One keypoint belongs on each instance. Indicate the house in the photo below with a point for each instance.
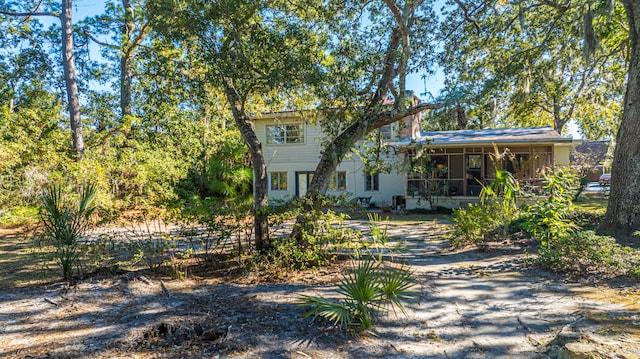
(457, 161)
(291, 145)
(590, 159)
(460, 162)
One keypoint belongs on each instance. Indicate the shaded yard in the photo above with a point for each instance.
(468, 304)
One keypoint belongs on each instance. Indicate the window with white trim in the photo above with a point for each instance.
(372, 182)
(278, 181)
(386, 133)
(338, 181)
(290, 133)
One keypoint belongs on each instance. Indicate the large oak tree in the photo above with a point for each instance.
(256, 53)
(623, 211)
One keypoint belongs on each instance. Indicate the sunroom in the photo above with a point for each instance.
(452, 166)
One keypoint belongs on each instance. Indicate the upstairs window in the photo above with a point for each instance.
(285, 134)
(338, 181)
(386, 133)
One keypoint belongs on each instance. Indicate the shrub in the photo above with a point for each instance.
(583, 253)
(18, 216)
(64, 225)
(368, 287)
(474, 223)
(548, 220)
(586, 220)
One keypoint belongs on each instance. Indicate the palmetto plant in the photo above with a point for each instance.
(369, 287)
(64, 225)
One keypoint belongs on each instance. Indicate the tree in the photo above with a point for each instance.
(623, 211)
(525, 63)
(367, 78)
(133, 28)
(68, 63)
(256, 53)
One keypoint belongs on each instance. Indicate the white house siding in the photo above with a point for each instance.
(304, 157)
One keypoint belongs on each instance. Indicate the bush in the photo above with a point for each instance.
(548, 220)
(583, 253)
(474, 223)
(18, 216)
(368, 287)
(586, 220)
(64, 225)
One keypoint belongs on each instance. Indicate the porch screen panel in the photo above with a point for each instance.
(456, 168)
(456, 174)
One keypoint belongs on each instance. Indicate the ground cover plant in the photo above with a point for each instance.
(64, 224)
(563, 235)
(368, 287)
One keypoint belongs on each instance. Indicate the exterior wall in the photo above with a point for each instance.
(561, 155)
(298, 160)
(303, 158)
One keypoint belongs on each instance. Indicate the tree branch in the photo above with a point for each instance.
(467, 16)
(399, 18)
(89, 36)
(28, 14)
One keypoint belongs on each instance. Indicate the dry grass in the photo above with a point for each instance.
(20, 263)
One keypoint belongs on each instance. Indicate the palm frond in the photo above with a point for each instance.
(359, 285)
(395, 285)
(334, 312)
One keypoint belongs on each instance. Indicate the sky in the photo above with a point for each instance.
(424, 88)
(432, 85)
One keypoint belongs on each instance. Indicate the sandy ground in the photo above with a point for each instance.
(468, 304)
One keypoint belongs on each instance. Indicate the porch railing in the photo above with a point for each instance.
(454, 187)
(434, 187)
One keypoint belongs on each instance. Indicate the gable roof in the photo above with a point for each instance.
(591, 153)
(487, 137)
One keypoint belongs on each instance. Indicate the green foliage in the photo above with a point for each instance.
(502, 192)
(287, 255)
(320, 222)
(497, 209)
(474, 223)
(586, 220)
(18, 216)
(548, 220)
(587, 253)
(367, 288)
(378, 230)
(63, 224)
(322, 232)
(515, 72)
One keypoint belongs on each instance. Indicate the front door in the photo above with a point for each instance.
(303, 179)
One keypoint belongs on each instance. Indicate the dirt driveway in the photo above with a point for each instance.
(469, 304)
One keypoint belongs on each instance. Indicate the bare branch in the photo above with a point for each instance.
(89, 36)
(28, 14)
(467, 16)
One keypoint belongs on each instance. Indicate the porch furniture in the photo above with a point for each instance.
(364, 201)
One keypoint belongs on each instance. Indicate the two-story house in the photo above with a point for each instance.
(459, 161)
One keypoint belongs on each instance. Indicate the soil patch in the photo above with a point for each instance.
(468, 304)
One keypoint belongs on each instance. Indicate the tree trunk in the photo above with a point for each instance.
(339, 147)
(461, 117)
(126, 53)
(69, 67)
(261, 180)
(623, 212)
(373, 118)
